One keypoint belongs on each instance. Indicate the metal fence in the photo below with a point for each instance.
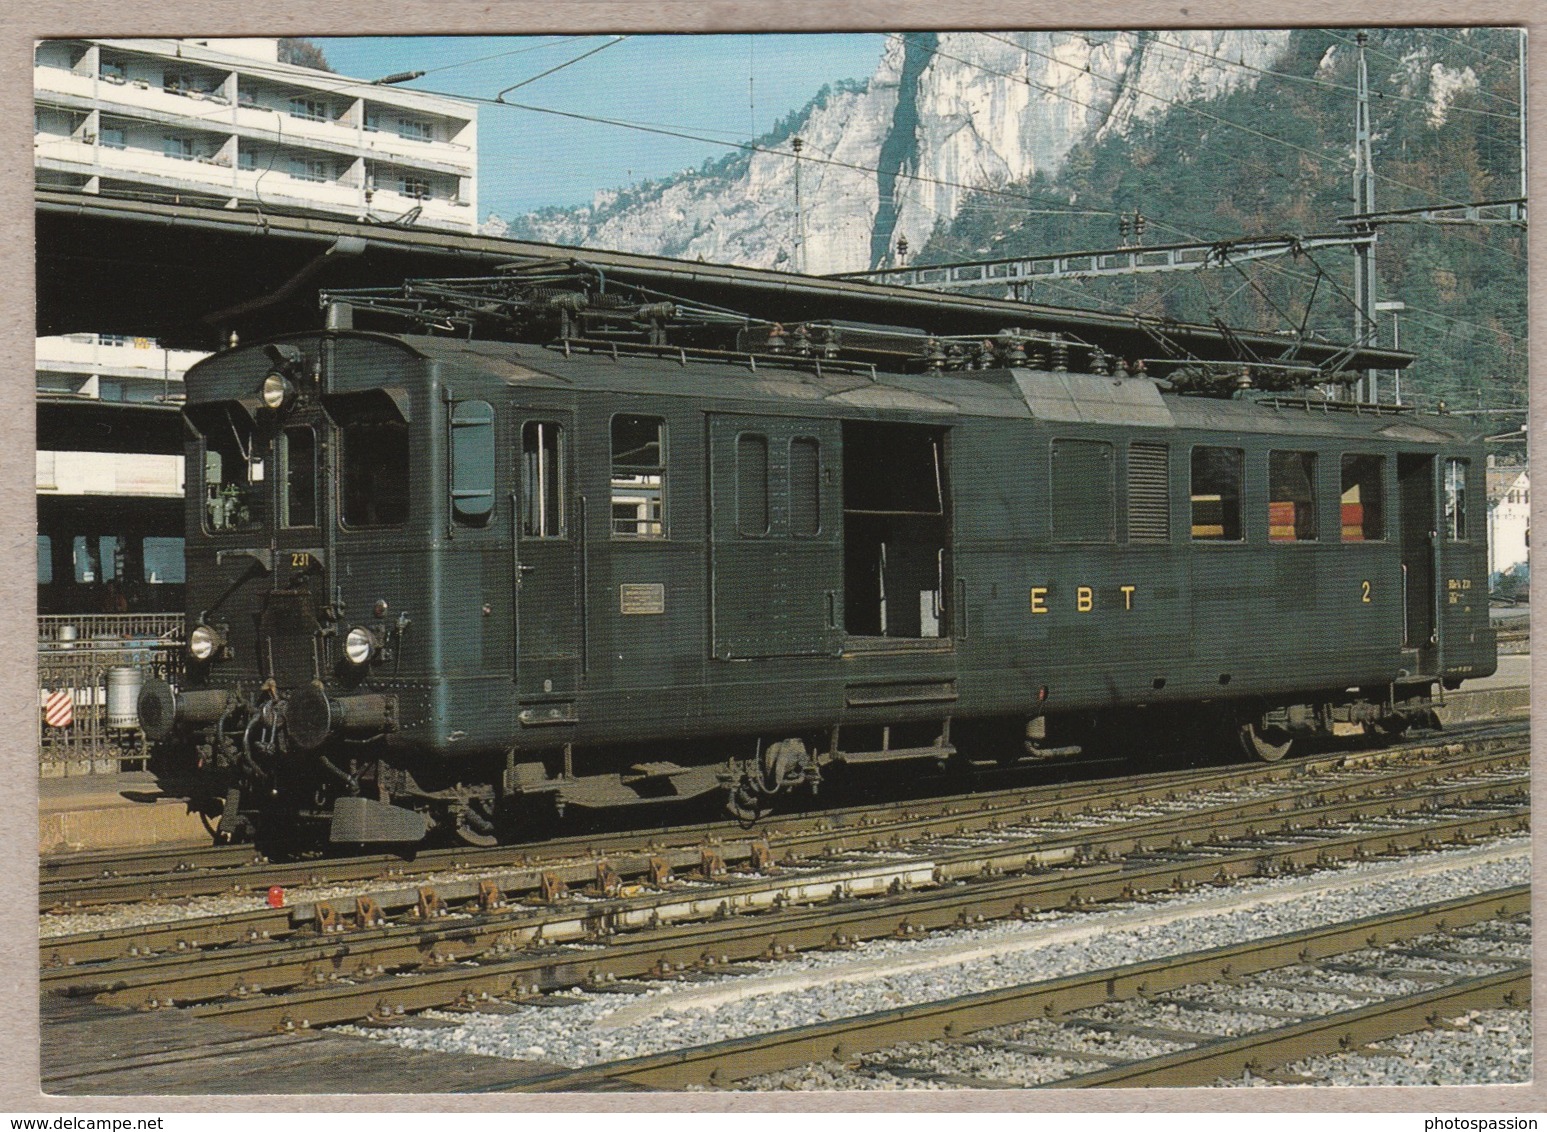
(68, 628)
(87, 682)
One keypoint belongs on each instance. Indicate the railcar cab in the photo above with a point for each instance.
(323, 500)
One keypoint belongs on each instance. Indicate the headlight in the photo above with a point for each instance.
(360, 645)
(203, 642)
(276, 391)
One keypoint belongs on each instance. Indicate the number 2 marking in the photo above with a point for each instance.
(1366, 597)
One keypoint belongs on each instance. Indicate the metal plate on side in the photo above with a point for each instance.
(641, 597)
(1093, 399)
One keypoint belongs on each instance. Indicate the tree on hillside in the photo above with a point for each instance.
(1274, 156)
(303, 53)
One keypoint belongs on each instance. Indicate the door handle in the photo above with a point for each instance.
(523, 567)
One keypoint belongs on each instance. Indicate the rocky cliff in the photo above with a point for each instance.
(944, 114)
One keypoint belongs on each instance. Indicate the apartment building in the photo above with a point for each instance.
(223, 122)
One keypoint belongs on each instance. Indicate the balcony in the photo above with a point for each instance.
(57, 81)
(446, 157)
(139, 357)
(273, 123)
(62, 154)
(442, 214)
(134, 98)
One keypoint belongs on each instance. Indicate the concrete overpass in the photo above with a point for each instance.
(83, 425)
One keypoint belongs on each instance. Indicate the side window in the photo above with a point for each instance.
(45, 560)
(1455, 500)
(298, 473)
(1363, 495)
(163, 560)
(542, 480)
(97, 558)
(1291, 496)
(1084, 491)
(638, 476)
(805, 487)
(1217, 478)
(752, 484)
(1149, 493)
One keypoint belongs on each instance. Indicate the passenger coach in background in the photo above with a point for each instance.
(583, 547)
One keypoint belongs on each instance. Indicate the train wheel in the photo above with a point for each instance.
(1267, 744)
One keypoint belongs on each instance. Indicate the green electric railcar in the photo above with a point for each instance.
(441, 582)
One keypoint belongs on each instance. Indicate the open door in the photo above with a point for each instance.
(1416, 491)
(897, 549)
(776, 537)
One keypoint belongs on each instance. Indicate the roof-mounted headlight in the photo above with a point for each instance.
(204, 642)
(360, 645)
(276, 392)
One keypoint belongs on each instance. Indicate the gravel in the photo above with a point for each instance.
(1306, 1003)
(1493, 1048)
(886, 973)
(1222, 1022)
(1069, 1034)
(986, 1064)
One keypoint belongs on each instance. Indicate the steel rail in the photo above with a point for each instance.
(972, 810)
(191, 976)
(722, 1063)
(105, 885)
(1349, 1029)
(736, 938)
(1316, 805)
(98, 865)
(64, 869)
(1312, 804)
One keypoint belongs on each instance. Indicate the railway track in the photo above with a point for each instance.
(75, 881)
(300, 972)
(1204, 1058)
(1060, 842)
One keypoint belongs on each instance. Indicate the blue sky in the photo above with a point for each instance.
(696, 84)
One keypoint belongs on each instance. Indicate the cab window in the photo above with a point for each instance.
(233, 473)
(373, 468)
(298, 473)
(542, 480)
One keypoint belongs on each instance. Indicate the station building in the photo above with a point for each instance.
(1509, 526)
